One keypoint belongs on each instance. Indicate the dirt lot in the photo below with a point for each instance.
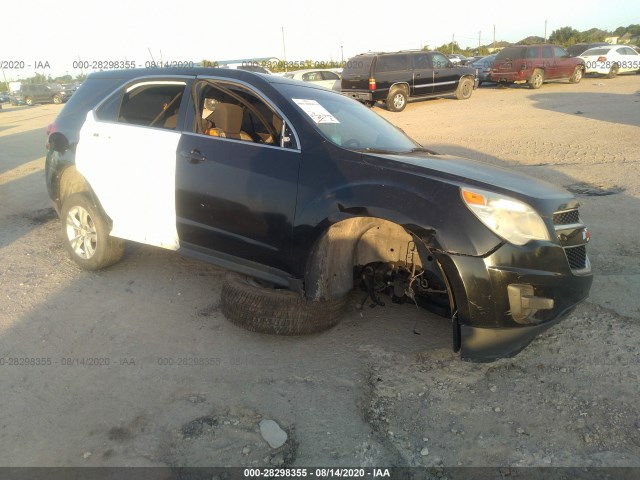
(168, 381)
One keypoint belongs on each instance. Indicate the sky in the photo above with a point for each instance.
(56, 34)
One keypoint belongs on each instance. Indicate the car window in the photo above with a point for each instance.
(392, 63)
(312, 76)
(547, 52)
(330, 76)
(421, 61)
(151, 104)
(596, 51)
(559, 52)
(228, 110)
(345, 122)
(533, 52)
(360, 65)
(440, 61)
(627, 51)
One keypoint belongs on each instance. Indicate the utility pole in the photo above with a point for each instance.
(284, 50)
(494, 38)
(341, 54)
(453, 39)
(545, 31)
(479, 35)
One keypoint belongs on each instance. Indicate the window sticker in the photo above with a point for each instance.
(316, 112)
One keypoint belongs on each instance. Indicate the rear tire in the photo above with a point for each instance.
(86, 234)
(262, 309)
(577, 76)
(28, 101)
(537, 79)
(465, 89)
(57, 100)
(613, 71)
(397, 99)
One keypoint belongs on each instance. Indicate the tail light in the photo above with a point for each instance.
(372, 84)
(602, 59)
(51, 128)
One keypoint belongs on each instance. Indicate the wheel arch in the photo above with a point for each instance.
(355, 241)
(71, 181)
(403, 85)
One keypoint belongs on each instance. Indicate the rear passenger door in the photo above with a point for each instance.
(392, 69)
(445, 74)
(422, 69)
(127, 153)
(565, 66)
(550, 63)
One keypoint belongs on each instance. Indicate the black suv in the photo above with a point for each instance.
(394, 77)
(33, 93)
(298, 187)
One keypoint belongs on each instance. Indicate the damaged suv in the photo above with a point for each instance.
(306, 194)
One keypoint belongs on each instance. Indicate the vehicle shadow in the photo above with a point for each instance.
(591, 105)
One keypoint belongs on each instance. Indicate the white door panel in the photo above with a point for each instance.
(132, 171)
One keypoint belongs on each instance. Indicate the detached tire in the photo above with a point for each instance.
(85, 233)
(281, 312)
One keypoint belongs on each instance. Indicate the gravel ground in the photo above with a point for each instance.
(167, 380)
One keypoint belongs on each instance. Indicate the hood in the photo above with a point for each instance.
(543, 196)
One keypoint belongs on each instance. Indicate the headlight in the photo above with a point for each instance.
(511, 219)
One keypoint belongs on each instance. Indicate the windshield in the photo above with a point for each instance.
(347, 123)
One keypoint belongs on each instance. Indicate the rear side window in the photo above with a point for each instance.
(392, 63)
(533, 52)
(511, 53)
(421, 61)
(547, 52)
(151, 104)
(559, 52)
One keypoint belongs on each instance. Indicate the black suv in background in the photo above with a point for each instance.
(395, 77)
(43, 93)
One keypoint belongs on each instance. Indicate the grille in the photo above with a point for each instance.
(577, 257)
(566, 218)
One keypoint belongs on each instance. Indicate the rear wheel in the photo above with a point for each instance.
(57, 99)
(465, 89)
(577, 76)
(28, 101)
(537, 79)
(397, 99)
(86, 234)
(613, 71)
(264, 309)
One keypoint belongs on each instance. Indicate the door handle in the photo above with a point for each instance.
(194, 156)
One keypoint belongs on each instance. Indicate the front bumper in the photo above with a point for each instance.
(506, 299)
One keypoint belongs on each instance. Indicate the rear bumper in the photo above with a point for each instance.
(519, 76)
(358, 95)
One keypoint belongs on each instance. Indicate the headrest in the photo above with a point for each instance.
(228, 117)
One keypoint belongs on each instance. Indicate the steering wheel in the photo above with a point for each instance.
(352, 143)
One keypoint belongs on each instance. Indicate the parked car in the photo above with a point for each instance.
(483, 67)
(43, 93)
(579, 48)
(321, 77)
(300, 187)
(611, 60)
(4, 97)
(394, 78)
(16, 98)
(535, 64)
(457, 58)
